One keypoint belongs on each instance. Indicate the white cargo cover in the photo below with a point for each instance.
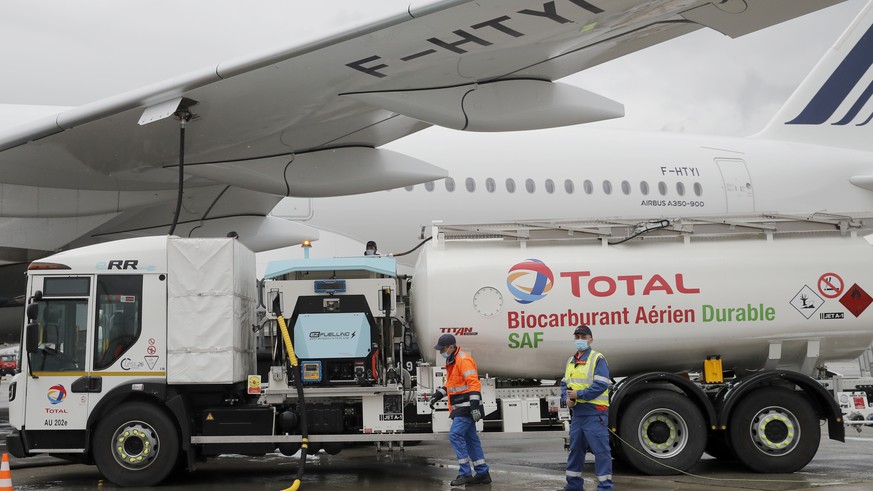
(210, 311)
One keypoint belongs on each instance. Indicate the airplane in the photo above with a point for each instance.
(813, 159)
(306, 120)
(213, 151)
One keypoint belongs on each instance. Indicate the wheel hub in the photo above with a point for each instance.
(663, 433)
(659, 432)
(775, 430)
(135, 445)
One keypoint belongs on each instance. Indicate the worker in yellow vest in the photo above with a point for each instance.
(585, 389)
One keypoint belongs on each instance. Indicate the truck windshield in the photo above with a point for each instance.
(119, 317)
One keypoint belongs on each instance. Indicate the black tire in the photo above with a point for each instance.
(661, 428)
(774, 430)
(136, 444)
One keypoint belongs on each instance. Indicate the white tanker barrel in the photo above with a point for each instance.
(653, 305)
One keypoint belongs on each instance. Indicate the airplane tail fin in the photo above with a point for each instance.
(833, 105)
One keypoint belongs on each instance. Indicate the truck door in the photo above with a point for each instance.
(61, 359)
(127, 336)
(739, 196)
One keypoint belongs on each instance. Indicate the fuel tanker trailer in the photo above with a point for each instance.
(715, 328)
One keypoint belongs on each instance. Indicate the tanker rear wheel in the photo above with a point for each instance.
(774, 430)
(663, 432)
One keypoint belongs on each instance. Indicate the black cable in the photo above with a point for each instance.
(410, 251)
(181, 175)
(304, 429)
(664, 223)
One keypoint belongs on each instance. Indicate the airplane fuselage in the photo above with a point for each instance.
(602, 173)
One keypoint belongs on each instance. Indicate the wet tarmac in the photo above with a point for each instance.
(516, 464)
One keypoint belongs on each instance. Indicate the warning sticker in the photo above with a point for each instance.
(856, 300)
(806, 301)
(830, 285)
(151, 360)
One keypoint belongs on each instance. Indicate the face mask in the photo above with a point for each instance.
(370, 252)
(581, 344)
(445, 355)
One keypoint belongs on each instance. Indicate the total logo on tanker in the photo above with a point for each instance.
(634, 299)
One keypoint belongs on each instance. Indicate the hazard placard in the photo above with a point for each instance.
(806, 301)
(856, 300)
(830, 285)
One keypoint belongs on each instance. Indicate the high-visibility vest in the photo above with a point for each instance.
(581, 376)
(462, 381)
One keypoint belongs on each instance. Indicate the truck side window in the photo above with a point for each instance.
(119, 317)
(62, 335)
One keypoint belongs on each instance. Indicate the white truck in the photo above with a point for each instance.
(147, 354)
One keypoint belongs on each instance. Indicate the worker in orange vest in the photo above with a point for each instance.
(465, 406)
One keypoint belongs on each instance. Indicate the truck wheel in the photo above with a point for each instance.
(774, 430)
(661, 428)
(136, 444)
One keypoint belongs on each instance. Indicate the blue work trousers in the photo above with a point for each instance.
(589, 430)
(466, 444)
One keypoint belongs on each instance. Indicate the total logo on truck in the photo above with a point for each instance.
(519, 278)
(532, 280)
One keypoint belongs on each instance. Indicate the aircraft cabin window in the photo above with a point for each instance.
(662, 188)
(550, 186)
(698, 189)
(530, 185)
(510, 185)
(569, 186)
(490, 185)
(607, 187)
(450, 184)
(429, 186)
(680, 188)
(644, 188)
(470, 183)
(625, 187)
(588, 186)
(409, 188)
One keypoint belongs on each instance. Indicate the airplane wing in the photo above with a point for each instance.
(307, 120)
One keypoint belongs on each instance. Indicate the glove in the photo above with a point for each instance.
(434, 398)
(476, 412)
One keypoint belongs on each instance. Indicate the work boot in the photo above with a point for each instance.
(481, 479)
(462, 481)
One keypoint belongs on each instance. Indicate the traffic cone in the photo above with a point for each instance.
(5, 474)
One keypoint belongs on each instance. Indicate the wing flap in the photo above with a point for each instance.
(736, 18)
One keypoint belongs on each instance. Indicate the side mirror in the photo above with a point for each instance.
(32, 337)
(32, 311)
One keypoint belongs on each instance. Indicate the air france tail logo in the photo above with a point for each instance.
(529, 281)
(835, 91)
